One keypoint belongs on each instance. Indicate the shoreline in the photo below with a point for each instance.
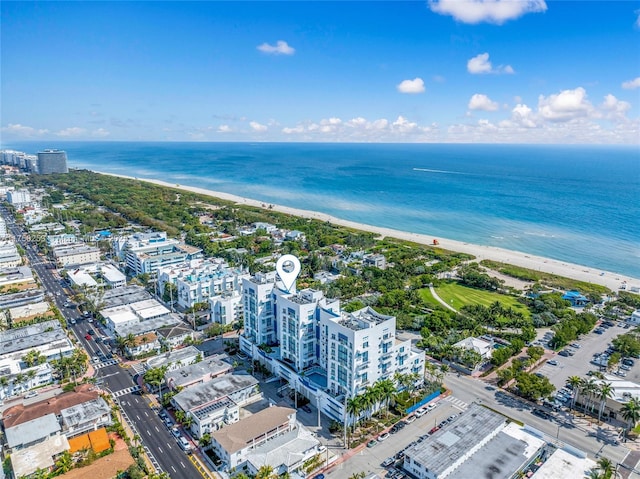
(578, 272)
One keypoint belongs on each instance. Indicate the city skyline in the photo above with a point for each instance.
(420, 71)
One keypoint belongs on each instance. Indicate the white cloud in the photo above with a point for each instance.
(23, 131)
(255, 126)
(632, 84)
(74, 131)
(615, 109)
(491, 11)
(280, 48)
(411, 86)
(482, 102)
(565, 106)
(100, 133)
(523, 115)
(480, 64)
(224, 129)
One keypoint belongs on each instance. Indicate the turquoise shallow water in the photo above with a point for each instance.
(574, 203)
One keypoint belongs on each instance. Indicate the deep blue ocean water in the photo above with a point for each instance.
(573, 203)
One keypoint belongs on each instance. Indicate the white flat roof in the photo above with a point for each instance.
(123, 317)
(112, 274)
(82, 278)
(563, 464)
(152, 312)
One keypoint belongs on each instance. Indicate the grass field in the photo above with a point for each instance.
(428, 298)
(458, 296)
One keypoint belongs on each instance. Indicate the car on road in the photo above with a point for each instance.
(306, 408)
(383, 436)
(552, 362)
(87, 337)
(541, 413)
(318, 476)
(388, 461)
(31, 394)
(91, 331)
(184, 444)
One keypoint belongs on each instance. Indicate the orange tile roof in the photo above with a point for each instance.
(79, 443)
(99, 440)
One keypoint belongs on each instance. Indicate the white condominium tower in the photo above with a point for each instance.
(323, 353)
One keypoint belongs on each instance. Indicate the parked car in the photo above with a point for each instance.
(628, 362)
(184, 444)
(411, 418)
(306, 408)
(452, 417)
(564, 353)
(31, 394)
(433, 430)
(175, 431)
(388, 461)
(552, 362)
(383, 436)
(421, 412)
(372, 443)
(575, 345)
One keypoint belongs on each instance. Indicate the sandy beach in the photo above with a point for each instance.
(609, 279)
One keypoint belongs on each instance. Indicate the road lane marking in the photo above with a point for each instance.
(182, 464)
(174, 469)
(157, 428)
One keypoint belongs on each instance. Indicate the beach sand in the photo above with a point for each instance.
(588, 274)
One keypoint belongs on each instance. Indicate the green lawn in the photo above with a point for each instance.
(428, 298)
(458, 296)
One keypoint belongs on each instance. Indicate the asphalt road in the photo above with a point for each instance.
(157, 440)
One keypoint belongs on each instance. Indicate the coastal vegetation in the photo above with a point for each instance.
(482, 304)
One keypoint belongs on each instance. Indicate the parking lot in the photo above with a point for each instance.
(580, 363)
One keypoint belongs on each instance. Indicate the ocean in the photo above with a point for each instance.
(579, 204)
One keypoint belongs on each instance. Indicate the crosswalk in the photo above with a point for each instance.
(457, 403)
(104, 364)
(122, 392)
(138, 368)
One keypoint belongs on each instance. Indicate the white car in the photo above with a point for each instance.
(411, 418)
(31, 394)
(420, 412)
(383, 436)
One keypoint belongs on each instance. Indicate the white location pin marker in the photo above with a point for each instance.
(288, 268)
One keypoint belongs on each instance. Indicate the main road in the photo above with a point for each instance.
(159, 444)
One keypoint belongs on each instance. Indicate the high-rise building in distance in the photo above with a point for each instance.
(52, 161)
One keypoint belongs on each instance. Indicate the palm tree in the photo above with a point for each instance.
(354, 408)
(64, 463)
(574, 382)
(606, 467)
(605, 391)
(265, 472)
(631, 412)
(386, 388)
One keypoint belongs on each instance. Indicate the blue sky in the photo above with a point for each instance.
(422, 71)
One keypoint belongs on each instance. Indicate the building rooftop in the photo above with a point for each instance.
(142, 327)
(241, 434)
(563, 464)
(32, 431)
(31, 336)
(84, 412)
(285, 450)
(174, 331)
(20, 413)
(205, 411)
(502, 456)
(212, 366)
(363, 319)
(220, 387)
(124, 295)
(448, 445)
(39, 456)
(183, 355)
